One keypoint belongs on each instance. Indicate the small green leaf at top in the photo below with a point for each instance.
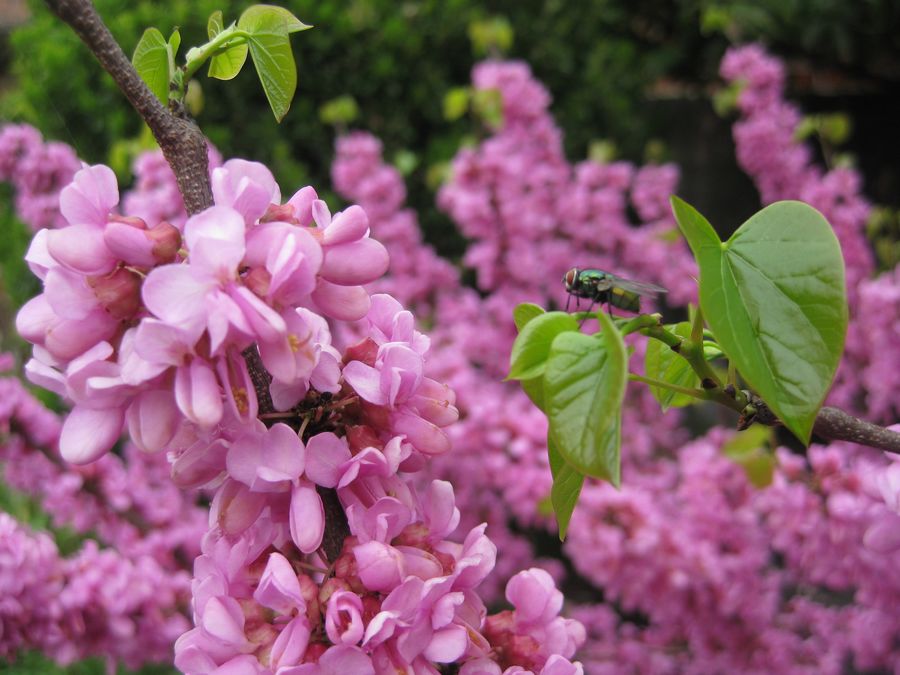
(525, 312)
(584, 385)
(532, 346)
(151, 61)
(567, 484)
(774, 296)
(228, 63)
(174, 43)
(661, 363)
(268, 28)
(268, 15)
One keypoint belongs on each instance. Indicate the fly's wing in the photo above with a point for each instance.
(639, 287)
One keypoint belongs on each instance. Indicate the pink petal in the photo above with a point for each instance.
(175, 294)
(89, 434)
(38, 256)
(534, 595)
(307, 519)
(152, 419)
(247, 187)
(290, 645)
(356, 262)
(883, 536)
(439, 509)
(159, 342)
(278, 588)
(81, 248)
(344, 659)
(426, 437)
(325, 453)
(235, 508)
(90, 197)
(223, 619)
(302, 202)
(366, 381)
(349, 225)
(346, 303)
(447, 645)
(129, 244)
(215, 240)
(198, 394)
(380, 567)
(35, 319)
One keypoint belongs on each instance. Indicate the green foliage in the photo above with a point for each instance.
(661, 363)
(268, 28)
(749, 449)
(774, 297)
(151, 61)
(567, 484)
(228, 63)
(33, 663)
(584, 385)
(339, 111)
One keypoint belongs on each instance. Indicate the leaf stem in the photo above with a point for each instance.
(197, 56)
(689, 391)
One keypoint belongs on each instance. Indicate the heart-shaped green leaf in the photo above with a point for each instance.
(661, 363)
(567, 483)
(151, 61)
(268, 28)
(532, 346)
(774, 296)
(584, 384)
(227, 64)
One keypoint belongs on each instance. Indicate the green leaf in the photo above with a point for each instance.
(174, 43)
(215, 24)
(774, 296)
(269, 15)
(456, 103)
(567, 483)
(661, 363)
(268, 28)
(340, 110)
(151, 61)
(532, 346)
(228, 63)
(748, 449)
(584, 384)
(525, 312)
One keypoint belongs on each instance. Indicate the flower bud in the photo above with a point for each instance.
(119, 293)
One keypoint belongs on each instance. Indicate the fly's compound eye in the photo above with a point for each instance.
(570, 277)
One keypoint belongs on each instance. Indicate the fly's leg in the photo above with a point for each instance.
(587, 314)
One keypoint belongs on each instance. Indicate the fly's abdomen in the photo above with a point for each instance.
(630, 302)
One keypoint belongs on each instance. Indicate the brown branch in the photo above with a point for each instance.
(836, 425)
(181, 141)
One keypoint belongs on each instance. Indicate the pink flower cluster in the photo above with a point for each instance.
(688, 555)
(164, 329)
(147, 319)
(125, 603)
(37, 171)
